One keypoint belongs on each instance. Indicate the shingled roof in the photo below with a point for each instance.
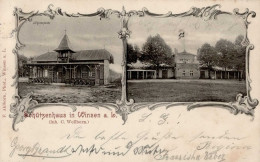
(64, 44)
(83, 55)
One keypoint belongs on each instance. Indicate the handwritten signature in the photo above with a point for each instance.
(159, 145)
(37, 150)
(77, 133)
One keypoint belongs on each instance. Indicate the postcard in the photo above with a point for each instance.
(129, 81)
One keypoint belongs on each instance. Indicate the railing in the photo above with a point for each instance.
(40, 80)
(73, 81)
(80, 81)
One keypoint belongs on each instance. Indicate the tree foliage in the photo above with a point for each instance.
(239, 58)
(225, 54)
(133, 53)
(22, 68)
(225, 49)
(155, 51)
(208, 57)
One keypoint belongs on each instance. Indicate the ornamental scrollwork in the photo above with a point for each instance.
(243, 104)
(26, 106)
(244, 16)
(124, 107)
(20, 107)
(206, 13)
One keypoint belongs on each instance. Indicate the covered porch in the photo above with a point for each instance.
(141, 74)
(68, 73)
(221, 74)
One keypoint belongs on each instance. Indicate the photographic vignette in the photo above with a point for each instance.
(124, 106)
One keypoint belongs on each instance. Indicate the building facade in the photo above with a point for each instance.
(184, 65)
(221, 73)
(64, 65)
(141, 74)
(187, 66)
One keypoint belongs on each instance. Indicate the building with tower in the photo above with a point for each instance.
(186, 65)
(64, 65)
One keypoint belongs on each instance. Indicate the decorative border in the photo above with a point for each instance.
(124, 107)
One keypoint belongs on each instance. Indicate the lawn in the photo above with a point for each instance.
(185, 90)
(139, 90)
(69, 94)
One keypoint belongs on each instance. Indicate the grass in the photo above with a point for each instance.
(69, 94)
(186, 91)
(140, 91)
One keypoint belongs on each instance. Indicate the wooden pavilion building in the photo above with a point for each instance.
(64, 65)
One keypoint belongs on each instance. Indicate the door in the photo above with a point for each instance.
(97, 75)
(202, 75)
(59, 77)
(164, 74)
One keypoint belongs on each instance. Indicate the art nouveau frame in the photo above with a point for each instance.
(125, 106)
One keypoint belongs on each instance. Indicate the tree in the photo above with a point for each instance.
(133, 53)
(208, 57)
(226, 50)
(239, 57)
(155, 51)
(22, 68)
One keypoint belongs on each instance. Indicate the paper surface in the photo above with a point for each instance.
(97, 128)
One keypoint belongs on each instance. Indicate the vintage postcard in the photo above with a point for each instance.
(130, 81)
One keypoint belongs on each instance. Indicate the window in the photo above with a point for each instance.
(184, 60)
(191, 73)
(183, 73)
(90, 74)
(45, 73)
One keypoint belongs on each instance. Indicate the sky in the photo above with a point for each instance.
(84, 34)
(197, 31)
(93, 33)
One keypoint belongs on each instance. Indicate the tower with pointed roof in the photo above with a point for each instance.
(64, 65)
(64, 50)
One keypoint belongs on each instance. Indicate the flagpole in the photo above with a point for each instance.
(182, 36)
(184, 47)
